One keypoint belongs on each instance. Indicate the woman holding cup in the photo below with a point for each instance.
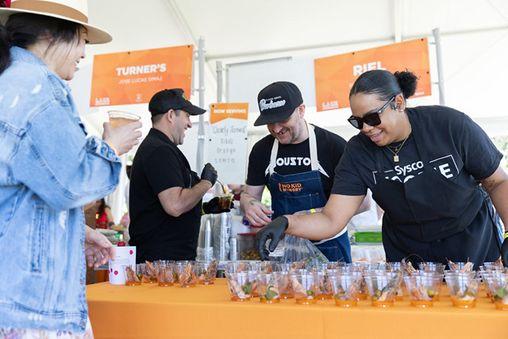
(50, 168)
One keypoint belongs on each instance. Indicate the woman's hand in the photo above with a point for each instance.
(98, 249)
(122, 138)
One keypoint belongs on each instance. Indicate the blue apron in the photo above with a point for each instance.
(304, 191)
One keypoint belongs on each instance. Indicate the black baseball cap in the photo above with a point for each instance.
(174, 99)
(277, 102)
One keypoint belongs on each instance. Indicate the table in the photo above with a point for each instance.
(150, 311)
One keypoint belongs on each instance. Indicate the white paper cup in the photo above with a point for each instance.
(124, 256)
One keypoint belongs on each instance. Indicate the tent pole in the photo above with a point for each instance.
(439, 57)
(201, 90)
(220, 81)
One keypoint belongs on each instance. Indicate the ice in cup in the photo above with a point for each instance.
(382, 287)
(121, 118)
(304, 286)
(423, 288)
(345, 287)
(240, 285)
(463, 288)
(165, 275)
(133, 276)
(206, 272)
(268, 288)
(186, 272)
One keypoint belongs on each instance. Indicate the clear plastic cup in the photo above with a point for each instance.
(268, 288)
(240, 285)
(497, 288)
(460, 266)
(304, 286)
(382, 287)
(121, 118)
(165, 276)
(423, 288)
(324, 285)
(284, 282)
(206, 272)
(186, 272)
(463, 287)
(434, 267)
(133, 276)
(149, 272)
(242, 266)
(345, 289)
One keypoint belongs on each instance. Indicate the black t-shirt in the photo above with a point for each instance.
(295, 158)
(453, 143)
(157, 166)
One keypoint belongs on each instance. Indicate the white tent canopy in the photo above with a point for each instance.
(240, 33)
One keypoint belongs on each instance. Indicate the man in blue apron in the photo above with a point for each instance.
(295, 162)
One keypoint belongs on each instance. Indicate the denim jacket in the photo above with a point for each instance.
(49, 169)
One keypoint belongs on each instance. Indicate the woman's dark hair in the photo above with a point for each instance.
(24, 29)
(385, 84)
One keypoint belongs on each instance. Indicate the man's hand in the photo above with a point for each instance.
(256, 213)
(274, 231)
(98, 249)
(209, 173)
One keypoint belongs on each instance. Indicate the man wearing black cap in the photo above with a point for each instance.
(165, 194)
(296, 162)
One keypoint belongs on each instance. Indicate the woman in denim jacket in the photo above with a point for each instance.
(49, 169)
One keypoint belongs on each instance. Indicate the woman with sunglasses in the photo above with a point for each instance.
(431, 168)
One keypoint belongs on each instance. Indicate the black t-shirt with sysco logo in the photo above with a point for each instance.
(295, 158)
(453, 142)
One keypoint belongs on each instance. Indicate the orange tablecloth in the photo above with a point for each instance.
(150, 311)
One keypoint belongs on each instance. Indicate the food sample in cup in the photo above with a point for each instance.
(324, 285)
(284, 282)
(463, 288)
(132, 277)
(345, 289)
(121, 118)
(206, 272)
(148, 272)
(423, 288)
(383, 287)
(240, 285)
(304, 287)
(165, 275)
(501, 298)
(186, 273)
(268, 289)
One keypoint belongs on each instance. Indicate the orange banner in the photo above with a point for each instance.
(222, 111)
(134, 77)
(335, 75)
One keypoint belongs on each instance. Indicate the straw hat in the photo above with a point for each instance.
(69, 10)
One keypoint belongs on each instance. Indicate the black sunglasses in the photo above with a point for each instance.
(371, 119)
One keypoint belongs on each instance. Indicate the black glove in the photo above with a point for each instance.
(216, 205)
(209, 173)
(504, 252)
(274, 231)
